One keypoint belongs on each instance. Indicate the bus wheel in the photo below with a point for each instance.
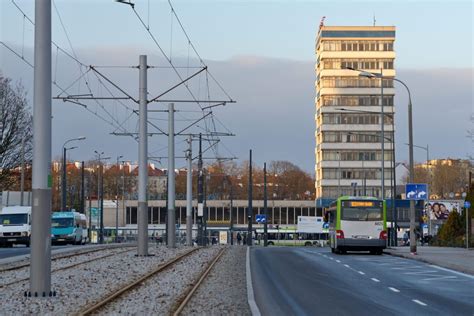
(270, 243)
(307, 244)
(332, 250)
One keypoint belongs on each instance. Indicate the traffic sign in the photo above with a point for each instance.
(416, 191)
(261, 218)
(467, 204)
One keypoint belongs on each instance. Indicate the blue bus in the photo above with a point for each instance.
(68, 227)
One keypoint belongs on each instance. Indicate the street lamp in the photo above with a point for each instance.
(393, 181)
(382, 116)
(427, 149)
(63, 187)
(116, 200)
(410, 145)
(100, 193)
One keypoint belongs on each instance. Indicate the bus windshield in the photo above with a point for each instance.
(62, 222)
(13, 219)
(361, 214)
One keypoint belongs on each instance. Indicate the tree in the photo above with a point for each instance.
(451, 233)
(16, 123)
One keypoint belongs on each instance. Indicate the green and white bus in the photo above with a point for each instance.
(358, 224)
(289, 236)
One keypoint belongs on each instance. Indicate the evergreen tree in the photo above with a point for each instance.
(452, 232)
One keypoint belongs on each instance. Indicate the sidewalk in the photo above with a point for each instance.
(458, 259)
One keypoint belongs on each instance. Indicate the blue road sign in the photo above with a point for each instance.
(325, 225)
(416, 191)
(467, 204)
(261, 218)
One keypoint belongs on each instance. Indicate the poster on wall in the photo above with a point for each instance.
(439, 210)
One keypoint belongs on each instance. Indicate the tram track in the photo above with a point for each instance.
(115, 295)
(69, 255)
(182, 303)
(68, 266)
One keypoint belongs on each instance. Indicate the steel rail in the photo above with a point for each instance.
(181, 305)
(94, 307)
(67, 267)
(64, 257)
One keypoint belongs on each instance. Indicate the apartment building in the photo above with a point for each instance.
(354, 71)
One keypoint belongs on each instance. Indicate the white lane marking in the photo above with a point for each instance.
(440, 278)
(338, 261)
(375, 280)
(419, 302)
(347, 266)
(394, 289)
(421, 272)
(452, 271)
(331, 258)
(360, 272)
(406, 268)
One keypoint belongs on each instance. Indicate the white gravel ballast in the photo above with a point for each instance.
(84, 284)
(224, 291)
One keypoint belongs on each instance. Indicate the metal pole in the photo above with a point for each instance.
(365, 176)
(231, 218)
(394, 193)
(382, 118)
(117, 199)
(89, 235)
(467, 227)
(171, 180)
(200, 195)
(412, 175)
(250, 208)
(123, 193)
(429, 178)
(189, 194)
(63, 182)
(101, 234)
(265, 208)
(82, 189)
(22, 176)
(338, 174)
(143, 161)
(40, 262)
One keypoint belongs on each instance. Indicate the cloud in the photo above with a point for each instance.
(274, 113)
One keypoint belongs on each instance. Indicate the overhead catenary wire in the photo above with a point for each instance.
(111, 116)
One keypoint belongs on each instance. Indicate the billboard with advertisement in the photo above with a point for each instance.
(440, 209)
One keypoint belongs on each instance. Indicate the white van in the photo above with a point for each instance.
(15, 225)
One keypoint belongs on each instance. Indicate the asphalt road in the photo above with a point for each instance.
(312, 281)
(22, 250)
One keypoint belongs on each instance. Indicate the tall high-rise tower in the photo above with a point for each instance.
(348, 111)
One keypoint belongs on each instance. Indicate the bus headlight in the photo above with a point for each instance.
(24, 234)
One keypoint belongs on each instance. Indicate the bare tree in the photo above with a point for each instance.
(16, 123)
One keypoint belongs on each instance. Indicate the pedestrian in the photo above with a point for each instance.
(405, 239)
(239, 238)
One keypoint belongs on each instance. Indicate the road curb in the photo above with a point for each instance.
(417, 258)
(250, 295)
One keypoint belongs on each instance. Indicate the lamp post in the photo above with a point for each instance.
(410, 150)
(100, 194)
(394, 223)
(393, 175)
(63, 187)
(427, 149)
(116, 198)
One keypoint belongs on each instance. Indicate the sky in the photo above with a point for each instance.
(262, 53)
